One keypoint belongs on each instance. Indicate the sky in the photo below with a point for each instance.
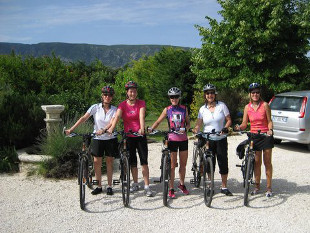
(106, 22)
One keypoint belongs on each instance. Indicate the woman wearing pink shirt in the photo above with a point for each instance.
(259, 114)
(132, 111)
(178, 120)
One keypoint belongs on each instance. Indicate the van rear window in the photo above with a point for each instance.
(286, 103)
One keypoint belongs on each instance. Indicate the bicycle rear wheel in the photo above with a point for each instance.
(166, 177)
(82, 181)
(248, 176)
(208, 181)
(197, 166)
(125, 177)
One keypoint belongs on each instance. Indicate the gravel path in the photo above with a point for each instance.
(34, 204)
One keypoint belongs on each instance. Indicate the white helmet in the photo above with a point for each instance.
(209, 87)
(174, 91)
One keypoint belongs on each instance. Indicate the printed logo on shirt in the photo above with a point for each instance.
(132, 112)
(177, 119)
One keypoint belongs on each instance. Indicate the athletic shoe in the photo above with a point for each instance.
(269, 193)
(183, 189)
(171, 193)
(255, 191)
(134, 188)
(96, 191)
(226, 192)
(110, 191)
(148, 192)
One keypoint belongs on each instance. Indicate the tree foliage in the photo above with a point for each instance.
(264, 41)
(156, 74)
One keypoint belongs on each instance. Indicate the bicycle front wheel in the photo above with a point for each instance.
(208, 181)
(166, 177)
(197, 167)
(82, 181)
(125, 177)
(248, 176)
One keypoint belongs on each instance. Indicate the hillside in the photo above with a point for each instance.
(113, 55)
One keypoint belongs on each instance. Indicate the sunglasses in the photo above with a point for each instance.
(108, 95)
(210, 92)
(255, 92)
(174, 97)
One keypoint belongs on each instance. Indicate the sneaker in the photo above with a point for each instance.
(183, 189)
(171, 193)
(226, 192)
(110, 191)
(134, 188)
(255, 191)
(148, 192)
(96, 191)
(269, 193)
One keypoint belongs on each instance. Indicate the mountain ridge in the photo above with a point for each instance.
(111, 55)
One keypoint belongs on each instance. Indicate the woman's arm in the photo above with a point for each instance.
(245, 119)
(198, 125)
(162, 116)
(79, 121)
(187, 121)
(115, 120)
(142, 120)
(270, 123)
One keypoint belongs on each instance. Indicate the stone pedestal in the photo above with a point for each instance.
(52, 116)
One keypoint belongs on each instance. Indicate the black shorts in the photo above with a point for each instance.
(263, 142)
(174, 146)
(107, 148)
(219, 149)
(140, 144)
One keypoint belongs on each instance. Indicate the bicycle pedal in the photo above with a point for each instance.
(95, 182)
(115, 182)
(192, 181)
(237, 165)
(156, 181)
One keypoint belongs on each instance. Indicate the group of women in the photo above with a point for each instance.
(213, 114)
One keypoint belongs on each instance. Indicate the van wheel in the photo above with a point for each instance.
(277, 141)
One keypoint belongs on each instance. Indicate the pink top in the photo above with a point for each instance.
(130, 115)
(258, 118)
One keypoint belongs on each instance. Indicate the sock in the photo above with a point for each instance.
(146, 186)
(223, 188)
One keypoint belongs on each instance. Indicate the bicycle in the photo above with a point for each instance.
(247, 165)
(124, 166)
(86, 168)
(165, 166)
(203, 163)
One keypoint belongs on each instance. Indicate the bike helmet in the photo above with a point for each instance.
(253, 86)
(107, 90)
(209, 87)
(131, 84)
(174, 91)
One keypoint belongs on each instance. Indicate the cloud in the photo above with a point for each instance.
(125, 12)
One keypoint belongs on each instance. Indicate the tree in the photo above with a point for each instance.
(156, 74)
(264, 41)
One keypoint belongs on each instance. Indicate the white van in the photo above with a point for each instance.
(290, 113)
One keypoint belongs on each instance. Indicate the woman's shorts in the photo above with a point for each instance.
(263, 142)
(106, 148)
(137, 144)
(174, 146)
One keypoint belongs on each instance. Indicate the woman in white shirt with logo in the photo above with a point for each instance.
(215, 115)
(104, 144)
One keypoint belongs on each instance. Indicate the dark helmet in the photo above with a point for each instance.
(174, 91)
(209, 87)
(107, 90)
(253, 86)
(131, 84)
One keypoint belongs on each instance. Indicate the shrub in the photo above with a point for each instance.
(64, 152)
(8, 159)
